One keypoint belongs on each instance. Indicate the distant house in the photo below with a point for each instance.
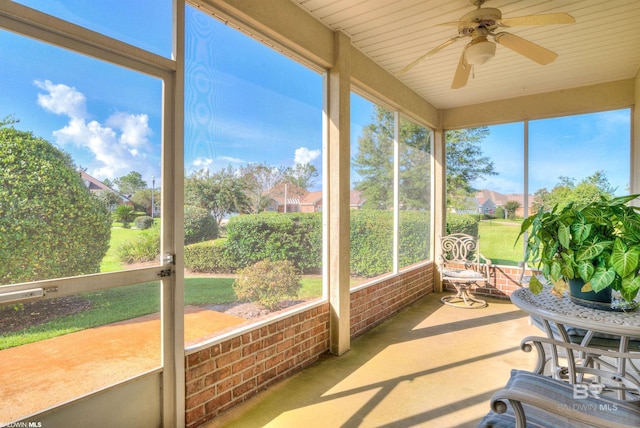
(311, 203)
(356, 200)
(281, 192)
(301, 200)
(96, 186)
(489, 200)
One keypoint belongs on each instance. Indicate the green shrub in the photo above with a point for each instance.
(268, 282)
(499, 213)
(144, 248)
(462, 223)
(371, 242)
(199, 225)
(209, 256)
(124, 214)
(143, 222)
(51, 225)
(414, 237)
(296, 237)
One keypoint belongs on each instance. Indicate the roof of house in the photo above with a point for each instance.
(312, 198)
(356, 199)
(293, 193)
(497, 198)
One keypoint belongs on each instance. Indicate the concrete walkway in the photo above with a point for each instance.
(430, 366)
(39, 375)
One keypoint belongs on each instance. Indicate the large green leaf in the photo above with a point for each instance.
(580, 231)
(630, 287)
(624, 260)
(564, 235)
(602, 278)
(567, 265)
(556, 270)
(585, 270)
(591, 250)
(535, 285)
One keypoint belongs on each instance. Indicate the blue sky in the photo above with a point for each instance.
(244, 103)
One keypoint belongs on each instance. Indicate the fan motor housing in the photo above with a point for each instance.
(485, 18)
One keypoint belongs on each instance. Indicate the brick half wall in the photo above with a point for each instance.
(230, 371)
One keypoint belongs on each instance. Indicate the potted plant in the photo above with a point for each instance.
(595, 247)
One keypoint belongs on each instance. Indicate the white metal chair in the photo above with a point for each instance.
(462, 265)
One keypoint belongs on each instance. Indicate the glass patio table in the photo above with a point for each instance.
(595, 348)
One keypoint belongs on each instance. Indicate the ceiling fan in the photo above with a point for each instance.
(481, 24)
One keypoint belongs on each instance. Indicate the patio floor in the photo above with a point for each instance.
(430, 366)
(39, 375)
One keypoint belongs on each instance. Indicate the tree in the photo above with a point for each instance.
(51, 225)
(590, 189)
(302, 175)
(199, 225)
(124, 214)
(130, 183)
(511, 207)
(465, 163)
(374, 163)
(258, 178)
(142, 198)
(108, 197)
(220, 193)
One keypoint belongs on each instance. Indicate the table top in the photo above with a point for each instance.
(562, 310)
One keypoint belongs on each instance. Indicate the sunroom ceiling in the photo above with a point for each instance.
(602, 46)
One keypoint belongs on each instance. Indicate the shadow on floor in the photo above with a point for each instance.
(431, 365)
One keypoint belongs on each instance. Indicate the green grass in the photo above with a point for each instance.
(122, 303)
(110, 262)
(497, 241)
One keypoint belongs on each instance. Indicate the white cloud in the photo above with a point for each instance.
(202, 162)
(304, 156)
(118, 146)
(61, 99)
(134, 128)
(231, 159)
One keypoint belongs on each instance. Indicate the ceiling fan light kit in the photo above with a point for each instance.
(479, 51)
(481, 24)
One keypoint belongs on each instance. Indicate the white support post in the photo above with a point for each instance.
(337, 193)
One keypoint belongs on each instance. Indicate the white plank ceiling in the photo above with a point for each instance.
(602, 46)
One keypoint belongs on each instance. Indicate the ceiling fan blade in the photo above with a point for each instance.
(545, 19)
(431, 52)
(524, 47)
(462, 72)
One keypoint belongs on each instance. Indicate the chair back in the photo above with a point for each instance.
(460, 248)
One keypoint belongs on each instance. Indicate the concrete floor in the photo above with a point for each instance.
(430, 366)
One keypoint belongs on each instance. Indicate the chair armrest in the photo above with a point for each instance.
(487, 261)
(543, 401)
(576, 412)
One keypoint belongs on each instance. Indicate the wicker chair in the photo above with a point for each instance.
(461, 265)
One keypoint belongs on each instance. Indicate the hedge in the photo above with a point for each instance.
(462, 223)
(209, 256)
(297, 237)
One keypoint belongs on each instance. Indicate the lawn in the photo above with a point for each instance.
(122, 303)
(110, 262)
(498, 241)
